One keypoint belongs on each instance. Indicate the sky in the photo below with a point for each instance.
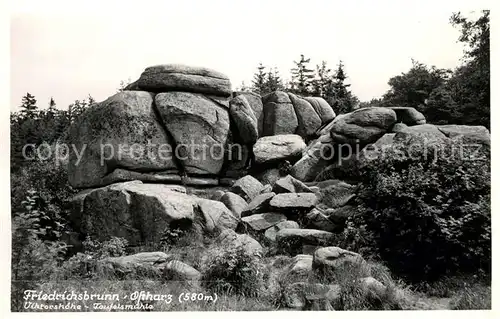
(68, 55)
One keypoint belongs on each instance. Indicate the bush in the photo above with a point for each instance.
(427, 213)
(232, 270)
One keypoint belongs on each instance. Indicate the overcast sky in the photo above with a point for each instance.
(69, 56)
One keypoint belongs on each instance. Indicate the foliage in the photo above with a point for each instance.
(428, 210)
(302, 77)
(233, 270)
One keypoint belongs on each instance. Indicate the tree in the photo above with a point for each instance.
(342, 100)
(259, 80)
(323, 83)
(124, 84)
(412, 89)
(28, 105)
(302, 77)
(273, 81)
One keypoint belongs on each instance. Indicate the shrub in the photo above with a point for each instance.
(427, 213)
(232, 270)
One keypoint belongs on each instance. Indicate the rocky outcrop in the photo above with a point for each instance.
(255, 102)
(322, 108)
(177, 77)
(315, 158)
(104, 135)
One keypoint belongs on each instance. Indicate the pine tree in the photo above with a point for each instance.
(302, 77)
(323, 83)
(259, 80)
(28, 106)
(273, 81)
(344, 101)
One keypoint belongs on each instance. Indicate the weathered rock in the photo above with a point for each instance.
(248, 187)
(373, 287)
(291, 201)
(126, 264)
(315, 158)
(261, 222)
(260, 204)
(309, 296)
(255, 102)
(335, 262)
(366, 125)
(339, 216)
(266, 189)
(200, 181)
(289, 184)
(216, 215)
(244, 120)
(124, 175)
(292, 240)
(234, 202)
(217, 195)
(270, 234)
(408, 115)
(279, 114)
(179, 271)
(177, 77)
(135, 211)
(470, 134)
(317, 219)
(307, 118)
(322, 108)
(279, 147)
(399, 127)
(301, 266)
(121, 132)
(269, 176)
(336, 193)
(199, 127)
(230, 238)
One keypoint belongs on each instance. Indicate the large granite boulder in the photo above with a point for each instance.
(141, 261)
(244, 119)
(234, 202)
(199, 127)
(307, 118)
(270, 149)
(261, 222)
(293, 201)
(135, 211)
(333, 262)
(279, 114)
(248, 187)
(229, 238)
(322, 108)
(469, 134)
(255, 102)
(365, 125)
(217, 217)
(177, 77)
(315, 158)
(122, 132)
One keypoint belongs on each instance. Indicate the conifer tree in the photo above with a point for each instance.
(302, 77)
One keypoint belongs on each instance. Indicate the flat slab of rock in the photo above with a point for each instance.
(293, 240)
(177, 77)
(289, 184)
(270, 234)
(471, 134)
(260, 204)
(260, 222)
(131, 262)
(278, 147)
(179, 271)
(248, 187)
(293, 201)
(199, 127)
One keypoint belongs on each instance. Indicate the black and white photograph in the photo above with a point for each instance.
(215, 156)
